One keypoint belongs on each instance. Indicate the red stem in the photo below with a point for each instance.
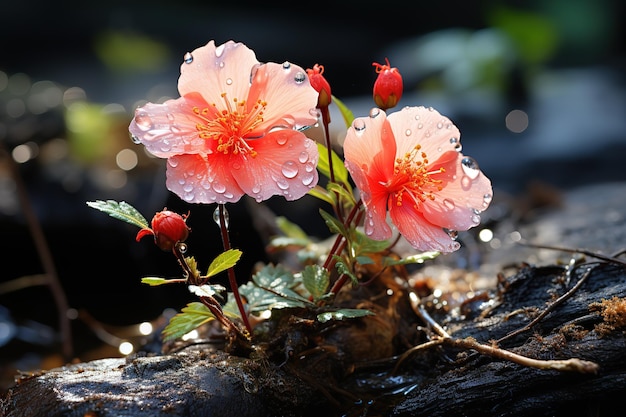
(232, 279)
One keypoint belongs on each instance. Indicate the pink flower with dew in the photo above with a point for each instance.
(234, 129)
(409, 164)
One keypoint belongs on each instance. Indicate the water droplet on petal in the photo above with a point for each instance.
(408, 132)
(452, 233)
(256, 188)
(229, 81)
(466, 182)
(420, 125)
(135, 139)
(286, 65)
(456, 144)
(448, 204)
(374, 112)
(188, 58)
(476, 219)
(470, 167)
(303, 157)
(439, 125)
(307, 178)
(289, 169)
(281, 139)
(315, 113)
(143, 121)
(358, 125)
(299, 77)
(220, 50)
(219, 188)
(487, 199)
(282, 184)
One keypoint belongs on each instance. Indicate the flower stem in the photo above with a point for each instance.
(231, 271)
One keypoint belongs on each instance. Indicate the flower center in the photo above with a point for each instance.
(230, 126)
(413, 180)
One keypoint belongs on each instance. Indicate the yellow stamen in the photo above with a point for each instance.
(230, 126)
(412, 178)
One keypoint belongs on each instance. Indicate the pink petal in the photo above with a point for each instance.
(212, 70)
(435, 133)
(420, 233)
(285, 164)
(202, 179)
(375, 224)
(286, 89)
(458, 205)
(370, 145)
(170, 128)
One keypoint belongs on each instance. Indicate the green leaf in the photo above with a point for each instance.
(322, 194)
(347, 114)
(316, 280)
(342, 268)
(333, 224)
(190, 318)
(224, 261)
(153, 281)
(290, 229)
(342, 314)
(323, 165)
(270, 288)
(121, 211)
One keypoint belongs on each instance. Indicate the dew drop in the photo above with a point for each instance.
(456, 144)
(289, 169)
(466, 182)
(374, 112)
(315, 113)
(282, 184)
(170, 117)
(448, 204)
(216, 216)
(188, 58)
(135, 139)
(439, 125)
(286, 65)
(303, 157)
(452, 233)
(358, 125)
(281, 139)
(219, 188)
(182, 247)
(299, 77)
(172, 162)
(308, 178)
(189, 197)
(229, 81)
(220, 50)
(408, 132)
(475, 219)
(470, 167)
(143, 121)
(256, 188)
(487, 199)
(221, 64)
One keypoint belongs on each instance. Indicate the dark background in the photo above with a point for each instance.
(564, 67)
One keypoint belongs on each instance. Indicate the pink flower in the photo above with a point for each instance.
(410, 165)
(234, 130)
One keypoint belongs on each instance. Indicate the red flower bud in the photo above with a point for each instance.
(319, 83)
(168, 228)
(388, 86)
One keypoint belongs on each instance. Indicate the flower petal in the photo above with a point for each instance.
(419, 232)
(226, 67)
(202, 179)
(170, 128)
(286, 89)
(466, 193)
(285, 164)
(435, 133)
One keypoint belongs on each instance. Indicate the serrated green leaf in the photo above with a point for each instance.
(342, 268)
(316, 280)
(224, 261)
(271, 287)
(121, 211)
(342, 314)
(190, 318)
(347, 114)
